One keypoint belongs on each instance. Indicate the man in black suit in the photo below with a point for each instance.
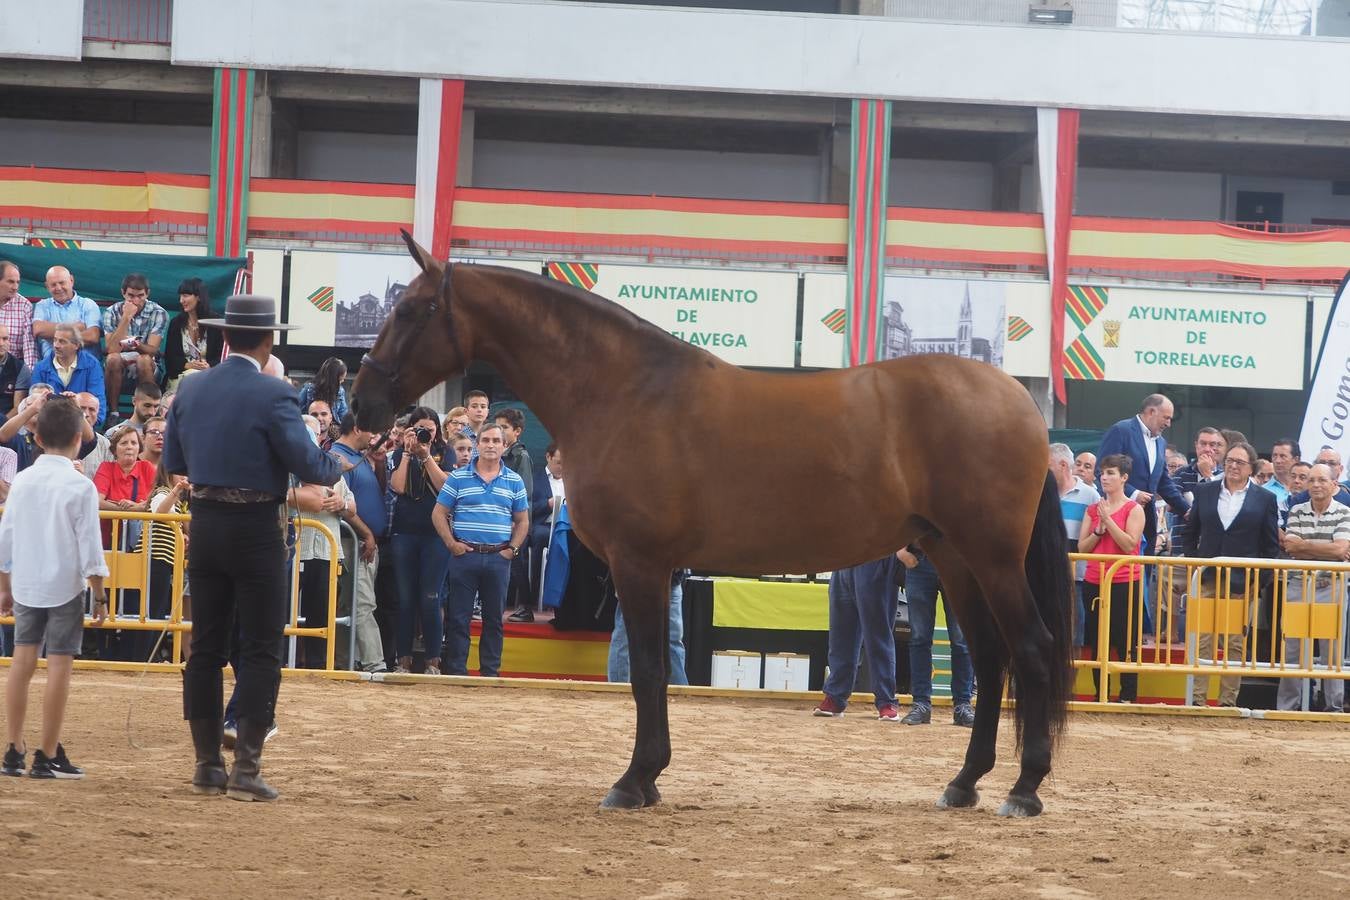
(1231, 517)
(236, 433)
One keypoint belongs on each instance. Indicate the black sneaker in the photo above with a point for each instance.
(59, 766)
(919, 714)
(14, 763)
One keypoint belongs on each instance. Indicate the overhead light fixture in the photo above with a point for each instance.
(1050, 15)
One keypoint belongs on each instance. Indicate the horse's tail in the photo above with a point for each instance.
(1048, 576)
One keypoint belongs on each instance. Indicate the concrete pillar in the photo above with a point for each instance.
(464, 175)
(835, 163)
(275, 134)
(1012, 154)
(1040, 391)
(1007, 193)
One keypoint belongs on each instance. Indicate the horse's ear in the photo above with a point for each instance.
(419, 253)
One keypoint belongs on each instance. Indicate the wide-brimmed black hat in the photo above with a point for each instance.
(250, 312)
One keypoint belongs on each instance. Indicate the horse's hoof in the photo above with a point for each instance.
(650, 795)
(618, 798)
(1020, 807)
(955, 797)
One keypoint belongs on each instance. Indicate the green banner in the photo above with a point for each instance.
(98, 274)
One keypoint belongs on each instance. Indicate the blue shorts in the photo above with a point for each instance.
(62, 627)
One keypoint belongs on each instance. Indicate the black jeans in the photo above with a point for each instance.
(161, 603)
(237, 571)
(1119, 637)
(314, 609)
(386, 602)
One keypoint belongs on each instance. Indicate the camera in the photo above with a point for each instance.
(423, 435)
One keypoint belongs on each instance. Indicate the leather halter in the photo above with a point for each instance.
(433, 305)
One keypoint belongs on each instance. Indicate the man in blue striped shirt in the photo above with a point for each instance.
(482, 515)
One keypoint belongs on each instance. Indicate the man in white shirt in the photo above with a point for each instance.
(90, 406)
(1317, 529)
(50, 505)
(545, 499)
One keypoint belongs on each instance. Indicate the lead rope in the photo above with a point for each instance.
(292, 522)
(177, 607)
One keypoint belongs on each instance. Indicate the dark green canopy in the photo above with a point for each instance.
(1078, 439)
(98, 274)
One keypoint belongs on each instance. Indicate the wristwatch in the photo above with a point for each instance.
(515, 551)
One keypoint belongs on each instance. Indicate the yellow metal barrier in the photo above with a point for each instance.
(329, 631)
(130, 570)
(1254, 617)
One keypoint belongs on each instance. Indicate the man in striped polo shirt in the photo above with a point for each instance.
(1074, 499)
(482, 515)
(1317, 529)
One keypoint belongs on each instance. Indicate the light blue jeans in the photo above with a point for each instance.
(618, 642)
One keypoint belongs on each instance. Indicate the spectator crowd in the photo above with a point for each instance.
(451, 518)
(439, 505)
(1219, 499)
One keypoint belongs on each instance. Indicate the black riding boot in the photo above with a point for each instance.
(246, 781)
(209, 776)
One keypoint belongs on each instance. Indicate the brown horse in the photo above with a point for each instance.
(677, 459)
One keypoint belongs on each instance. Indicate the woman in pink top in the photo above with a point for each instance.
(1113, 527)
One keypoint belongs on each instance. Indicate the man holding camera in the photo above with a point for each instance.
(482, 515)
(352, 449)
(135, 329)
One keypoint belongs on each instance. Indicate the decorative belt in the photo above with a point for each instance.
(487, 548)
(232, 494)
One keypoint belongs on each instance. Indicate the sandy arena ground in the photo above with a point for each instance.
(438, 791)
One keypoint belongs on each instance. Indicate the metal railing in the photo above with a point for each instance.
(1229, 617)
(129, 585)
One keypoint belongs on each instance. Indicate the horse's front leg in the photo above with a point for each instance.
(644, 596)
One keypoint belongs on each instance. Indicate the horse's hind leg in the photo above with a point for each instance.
(645, 597)
(990, 661)
(1033, 649)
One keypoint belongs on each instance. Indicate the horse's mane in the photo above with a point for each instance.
(597, 307)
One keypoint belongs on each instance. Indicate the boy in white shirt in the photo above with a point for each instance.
(50, 505)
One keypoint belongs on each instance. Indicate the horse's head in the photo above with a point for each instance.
(417, 348)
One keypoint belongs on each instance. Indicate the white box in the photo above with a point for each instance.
(736, 669)
(786, 672)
